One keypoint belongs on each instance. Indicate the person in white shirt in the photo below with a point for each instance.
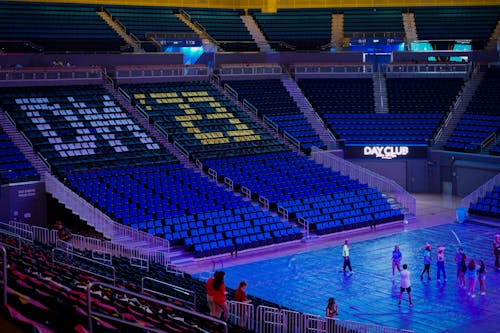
(405, 285)
(345, 254)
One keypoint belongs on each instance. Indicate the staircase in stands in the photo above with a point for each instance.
(119, 29)
(410, 28)
(337, 30)
(256, 33)
(305, 107)
(207, 40)
(380, 92)
(258, 120)
(495, 38)
(124, 103)
(20, 141)
(458, 108)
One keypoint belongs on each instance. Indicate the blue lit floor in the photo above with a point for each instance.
(302, 276)
(304, 281)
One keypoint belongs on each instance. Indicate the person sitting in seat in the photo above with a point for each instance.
(63, 233)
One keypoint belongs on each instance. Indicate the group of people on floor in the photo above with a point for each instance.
(469, 272)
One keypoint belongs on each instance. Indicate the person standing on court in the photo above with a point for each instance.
(427, 262)
(496, 251)
(345, 254)
(440, 264)
(396, 260)
(405, 285)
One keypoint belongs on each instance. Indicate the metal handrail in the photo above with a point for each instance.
(91, 314)
(94, 262)
(161, 130)
(181, 149)
(23, 233)
(292, 139)
(491, 138)
(250, 107)
(369, 177)
(271, 123)
(124, 93)
(480, 191)
(184, 291)
(231, 91)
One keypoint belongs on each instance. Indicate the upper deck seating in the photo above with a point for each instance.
(459, 22)
(373, 20)
(303, 29)
(482, 117)
(57, 26)
(416, 107)
(140, 20)
(226, 27)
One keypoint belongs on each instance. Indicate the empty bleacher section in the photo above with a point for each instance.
(141, 20)
(273, 101)
(190, 113)
(422, 95)
(202, 120)
(14, 167)
(416, 108)
(226, 27)
(300, 189)
(359, 21)
(57, 27)
(480, 124)
(300, 29)
(330, 96)
(78, 128)
(106, 157)
(474, 23)
(488, 205)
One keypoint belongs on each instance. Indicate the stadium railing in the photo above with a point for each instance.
(383, 184)
(330, 69)
(250, 69)
(189, 297)
(104, 223)
(189, 313)
(461, 69)
(270, 320)
(87, 75)
(480, 191)
(160, 72)
(101, 248)
(69, 258)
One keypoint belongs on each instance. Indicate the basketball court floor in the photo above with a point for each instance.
(303, 275)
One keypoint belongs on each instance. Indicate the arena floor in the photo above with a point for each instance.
(302, 276)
